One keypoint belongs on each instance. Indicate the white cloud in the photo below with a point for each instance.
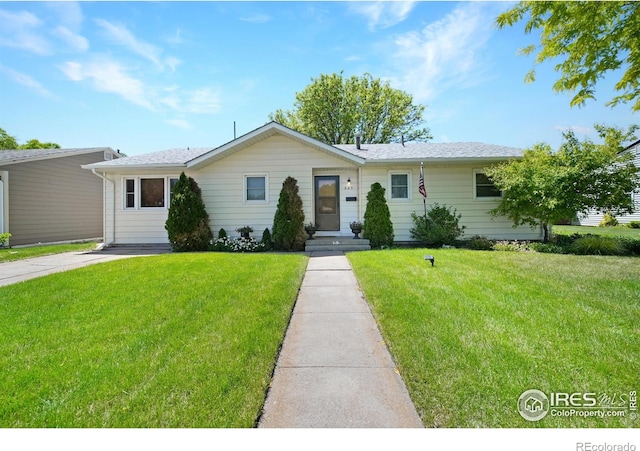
(121, 35)
(69, 13)
(19, 30)
(106, 75)
(109, 76)
(26, 80)
(383, 14)
(258, 18)
(445, 53)
(180, 123)
(75, 41)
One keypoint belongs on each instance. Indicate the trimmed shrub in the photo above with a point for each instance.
(4, 237)
(564, 240)
(546, 248)
(222, 233)
(597, 245)
(479, 243)
(377, 227)
(442, 226)
(266, 239)
(188, 222)
(288, 222)
(634, 225)
(631, 245)
(608, 220)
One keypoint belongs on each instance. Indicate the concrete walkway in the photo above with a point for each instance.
(334, 369)
(17, 271)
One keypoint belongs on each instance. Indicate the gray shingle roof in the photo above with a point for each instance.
(431, 151)
(169, 157)
(15, 156)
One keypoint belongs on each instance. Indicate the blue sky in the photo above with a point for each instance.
(146, 76)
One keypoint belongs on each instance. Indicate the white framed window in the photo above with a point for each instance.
(400, 185)
(172, 184)
(483, 187)
(147, 192)
(255, 188)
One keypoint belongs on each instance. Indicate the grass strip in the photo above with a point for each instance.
(471, 334)
(177, 340)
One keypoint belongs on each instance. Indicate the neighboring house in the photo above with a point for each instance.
(241, 183)
(45, 195)
(594, 217)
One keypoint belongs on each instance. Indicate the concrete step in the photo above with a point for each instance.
(339, 243)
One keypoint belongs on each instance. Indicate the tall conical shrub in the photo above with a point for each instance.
(188, 221)
(288, 223)
(377, 227)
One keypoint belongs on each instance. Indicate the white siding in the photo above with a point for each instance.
(222, 184)
(594, 218)
(279, 157)
(445, 184)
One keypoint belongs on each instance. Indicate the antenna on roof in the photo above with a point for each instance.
(234, 129)
(402, 138)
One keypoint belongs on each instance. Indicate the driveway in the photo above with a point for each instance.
(17, 271)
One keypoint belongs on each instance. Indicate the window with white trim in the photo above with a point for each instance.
(255, 188)
(483, 187)
(172, 185)
(147, 192)
(400, 185)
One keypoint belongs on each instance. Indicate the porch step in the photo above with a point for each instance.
(336, 243)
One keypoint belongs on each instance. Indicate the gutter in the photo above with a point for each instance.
(113, 205)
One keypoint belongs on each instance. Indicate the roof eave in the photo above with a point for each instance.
(462, 160)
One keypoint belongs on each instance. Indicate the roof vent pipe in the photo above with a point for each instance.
(358, 136)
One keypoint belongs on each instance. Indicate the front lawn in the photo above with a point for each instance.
(471, 334)
(20, 253)
(177, 340)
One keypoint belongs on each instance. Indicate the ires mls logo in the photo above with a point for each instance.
(534, 405)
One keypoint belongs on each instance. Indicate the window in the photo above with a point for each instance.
(147, 192)
(172, 185)
(484, 187)
(151, 193)
(130, 193)
(400, 185)
(255, 188)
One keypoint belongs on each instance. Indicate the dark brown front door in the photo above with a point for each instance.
(327, 190)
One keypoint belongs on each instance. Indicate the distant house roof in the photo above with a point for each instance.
(374, 153)
(20, 156)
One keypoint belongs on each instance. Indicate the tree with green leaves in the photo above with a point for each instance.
(188, 221)
(288, 221)
(545, 187)
(377, 227)
(8, 142)
(333, 109)
(589, 39)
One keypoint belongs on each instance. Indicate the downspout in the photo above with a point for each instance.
(113, 208)
(360, 218)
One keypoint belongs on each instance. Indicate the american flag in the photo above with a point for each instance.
(421, 187)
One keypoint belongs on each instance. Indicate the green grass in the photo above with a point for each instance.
(472, 333)
(21, 253)
(607, 231)
(178, 340)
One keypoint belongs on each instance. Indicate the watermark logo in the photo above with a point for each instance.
(533, 405)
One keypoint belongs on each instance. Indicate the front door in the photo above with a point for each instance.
(327, 189)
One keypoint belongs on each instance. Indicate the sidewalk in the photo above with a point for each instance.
(334, 369)
(17, 271)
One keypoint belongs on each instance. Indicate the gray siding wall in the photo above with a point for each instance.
(54, 200)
